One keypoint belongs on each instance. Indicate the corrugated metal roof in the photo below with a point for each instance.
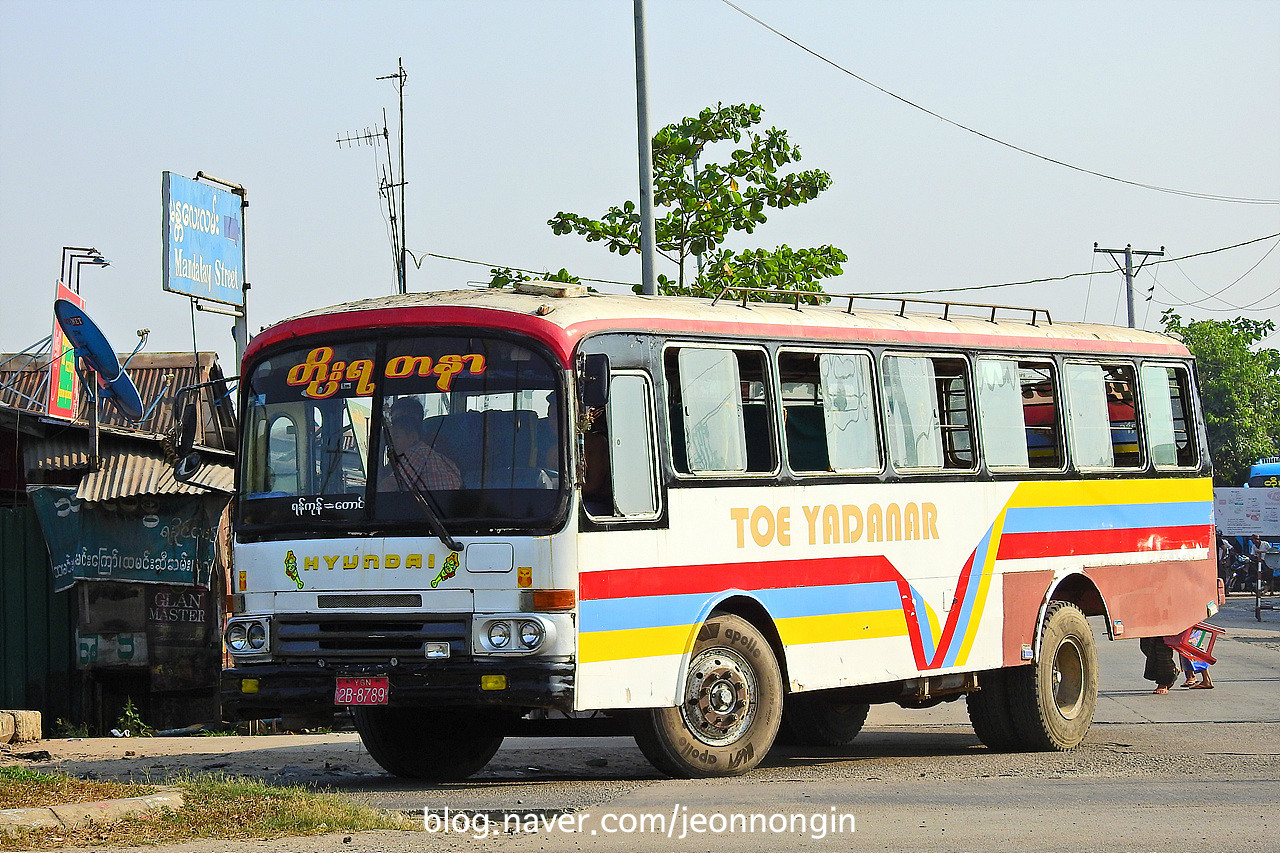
(130, 466)
(158, 376)
(128, 474)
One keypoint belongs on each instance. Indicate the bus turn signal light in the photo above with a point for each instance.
(550, 599)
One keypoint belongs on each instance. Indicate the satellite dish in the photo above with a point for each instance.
(91, 345)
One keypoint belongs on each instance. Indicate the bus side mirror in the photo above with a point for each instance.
(189, 461)
(593, 375)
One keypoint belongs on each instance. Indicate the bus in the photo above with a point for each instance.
(1264, 474)
(713, 524)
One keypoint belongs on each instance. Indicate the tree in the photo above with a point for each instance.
(708, 201)
(1239, 388)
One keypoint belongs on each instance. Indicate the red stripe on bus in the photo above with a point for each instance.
(1017, 546)
(953, 614)
(717, 577)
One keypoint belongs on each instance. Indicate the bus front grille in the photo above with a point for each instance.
(368, 639)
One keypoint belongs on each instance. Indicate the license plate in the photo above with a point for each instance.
(361, 691)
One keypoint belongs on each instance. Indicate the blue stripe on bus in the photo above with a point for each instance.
(970, 598)
(619, 614)
(1059, 519)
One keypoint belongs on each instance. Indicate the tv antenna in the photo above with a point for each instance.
(388, 187)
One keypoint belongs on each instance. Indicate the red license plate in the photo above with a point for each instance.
(361, 691)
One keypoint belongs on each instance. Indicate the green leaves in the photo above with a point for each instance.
(1239, 387)
(703, 202)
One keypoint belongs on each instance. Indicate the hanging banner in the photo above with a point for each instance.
(203, 232)
(168, 539)
(64, 383)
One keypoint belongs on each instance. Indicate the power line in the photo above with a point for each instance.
(1070, 275)
(420, 257)
(989, 137)
(418, 263)
(1217, 295)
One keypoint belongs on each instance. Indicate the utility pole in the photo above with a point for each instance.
(400, 77)
(648, 251)
(1128, 270)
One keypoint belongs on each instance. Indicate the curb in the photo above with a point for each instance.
(80, 814)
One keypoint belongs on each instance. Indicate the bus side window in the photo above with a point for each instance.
(1102, 408)
(719, 407)
(1017, 408)
(927, 413)
(1122, 413)
(1167, 417)
(827, 412)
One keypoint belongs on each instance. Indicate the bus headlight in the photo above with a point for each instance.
(499, 634)
(248, 636)
(514, 634)
(531, 634)
(237, 637)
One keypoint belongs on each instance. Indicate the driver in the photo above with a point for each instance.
(417, 464)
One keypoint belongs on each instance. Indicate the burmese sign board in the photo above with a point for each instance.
(203, 229)
(167, 539)
(1244, 512)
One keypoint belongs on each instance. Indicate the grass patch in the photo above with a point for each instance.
(21, 788)
(223, 807)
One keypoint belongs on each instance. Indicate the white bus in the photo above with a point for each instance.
(704, 521)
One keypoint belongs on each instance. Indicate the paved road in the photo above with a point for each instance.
(1193, 770)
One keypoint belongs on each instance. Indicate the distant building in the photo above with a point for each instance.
(134, 552)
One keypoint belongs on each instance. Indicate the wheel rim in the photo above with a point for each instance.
(719, 697)
(1068, 678)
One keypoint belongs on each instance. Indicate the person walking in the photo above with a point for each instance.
(1191, 668)
(1160, 666)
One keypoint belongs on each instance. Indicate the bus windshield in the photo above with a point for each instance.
(361, 433)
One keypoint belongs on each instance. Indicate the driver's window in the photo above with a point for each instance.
(618, 453)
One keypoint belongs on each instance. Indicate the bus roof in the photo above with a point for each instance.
(561, 321)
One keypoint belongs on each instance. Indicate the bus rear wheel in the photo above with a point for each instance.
(730, 707)
(436, 744)
(823, 718)
(989, 712)
(1052, 701)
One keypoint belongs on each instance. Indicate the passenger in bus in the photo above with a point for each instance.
(597, 482)
(415, 464)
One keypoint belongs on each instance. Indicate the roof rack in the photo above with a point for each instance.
(815, 297)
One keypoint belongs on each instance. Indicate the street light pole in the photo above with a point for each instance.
(648, 251)
(72, 258)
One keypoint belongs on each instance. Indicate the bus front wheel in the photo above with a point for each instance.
(1052, 701)
(436, 744)
(730, 707)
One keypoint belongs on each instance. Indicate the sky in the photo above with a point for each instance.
(516, 109)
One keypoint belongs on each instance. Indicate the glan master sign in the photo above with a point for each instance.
(203, 240)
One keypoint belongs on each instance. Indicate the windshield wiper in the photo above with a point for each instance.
(420, 493)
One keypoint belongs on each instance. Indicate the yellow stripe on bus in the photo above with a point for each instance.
(984, 586)
(842, 626)
(600, 646)
(596, 646)
(1050, 493)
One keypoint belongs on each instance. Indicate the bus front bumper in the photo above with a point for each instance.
(268, 690)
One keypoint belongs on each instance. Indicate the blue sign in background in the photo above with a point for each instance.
(203, 240)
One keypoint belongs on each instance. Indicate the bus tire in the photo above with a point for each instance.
(822, 718)
(989, 712)
(731, 706)
(435, 744)
(1052, 701)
